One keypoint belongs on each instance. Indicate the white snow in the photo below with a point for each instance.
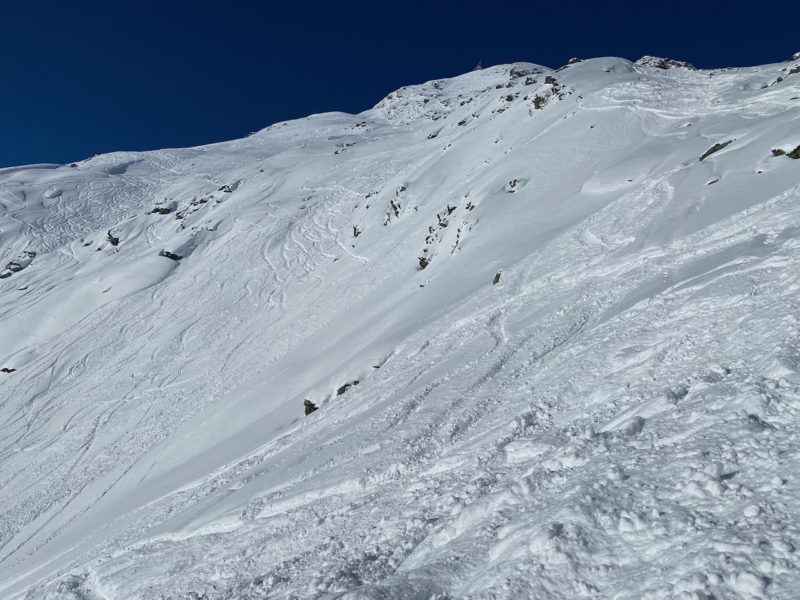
(616, 417)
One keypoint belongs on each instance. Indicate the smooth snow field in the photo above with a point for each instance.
(550, 320)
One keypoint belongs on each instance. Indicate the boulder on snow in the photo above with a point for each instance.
(795, 154)
(796, 56)
(342, 389)
(164, 208)
(229, 188)
(309, 406)
(7, 370)
(170, 255)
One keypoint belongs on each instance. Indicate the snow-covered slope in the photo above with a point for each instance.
(549, 318)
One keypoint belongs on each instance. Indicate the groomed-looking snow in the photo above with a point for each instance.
(591, 389)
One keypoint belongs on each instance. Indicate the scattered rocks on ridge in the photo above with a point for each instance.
(662, 63)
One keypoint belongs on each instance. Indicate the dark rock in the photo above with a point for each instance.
(517, 72)
(795, 154)
(550, 80)
(161, 210)
(423, 262)
(7, 370)
(662, 63)
(496, 279)
(713, 149)
(112, 239)
(574, 61)
(356, 231)
(341, 390)
(170, 255)
(309, 406)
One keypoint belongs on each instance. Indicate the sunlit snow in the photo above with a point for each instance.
(555, 354)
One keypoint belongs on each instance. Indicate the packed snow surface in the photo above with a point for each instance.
(550, 320)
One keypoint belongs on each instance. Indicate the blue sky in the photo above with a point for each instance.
(81, 78)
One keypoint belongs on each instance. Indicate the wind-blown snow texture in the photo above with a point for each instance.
(616, 418)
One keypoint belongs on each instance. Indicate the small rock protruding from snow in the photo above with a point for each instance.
(229, 187)
(496, 279)
(713, 149)
(170, 255)
(164, 208)
(796, 56)
(7, 370)
(662, 63)
(343, 388)
(112, 239)
(309, 406)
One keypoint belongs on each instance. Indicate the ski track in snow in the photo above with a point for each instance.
(616, 418)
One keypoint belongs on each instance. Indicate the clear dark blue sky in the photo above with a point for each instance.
(80, 78)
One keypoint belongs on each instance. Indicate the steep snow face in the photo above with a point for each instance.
(549, 320)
